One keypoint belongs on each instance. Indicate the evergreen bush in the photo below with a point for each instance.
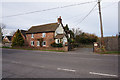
(56, 45)
(17, 39)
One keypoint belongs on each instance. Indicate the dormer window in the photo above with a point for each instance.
(43, 35)
(32, 36)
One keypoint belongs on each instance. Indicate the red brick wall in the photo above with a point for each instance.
(49, 38)
(64, 48)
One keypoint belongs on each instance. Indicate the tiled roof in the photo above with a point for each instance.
(59, 36)
(9, 37)
(43, 28)
(23, 32)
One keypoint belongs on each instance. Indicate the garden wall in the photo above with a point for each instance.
(64, 48)
(111, 44)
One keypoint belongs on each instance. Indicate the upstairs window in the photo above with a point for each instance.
(32, 36)
(43, 35)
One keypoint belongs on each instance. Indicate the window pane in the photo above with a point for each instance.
(32, 35)
(43, 34)
(32, 43)
(44, 43)
(38, 43)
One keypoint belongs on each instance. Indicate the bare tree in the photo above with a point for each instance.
(2, 26)
(76, 31)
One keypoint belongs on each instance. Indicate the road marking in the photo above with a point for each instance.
(71, 70)
(103, 74)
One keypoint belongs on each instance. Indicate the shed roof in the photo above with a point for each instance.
(9, 37)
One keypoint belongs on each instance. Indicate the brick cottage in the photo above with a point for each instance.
(47, 34)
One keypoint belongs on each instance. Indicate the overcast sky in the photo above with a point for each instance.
(70, 15)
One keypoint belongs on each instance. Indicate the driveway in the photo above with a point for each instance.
(81, 63)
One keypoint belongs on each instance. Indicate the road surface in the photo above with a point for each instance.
(81, 63)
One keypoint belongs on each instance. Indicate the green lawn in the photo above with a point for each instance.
(110, 52)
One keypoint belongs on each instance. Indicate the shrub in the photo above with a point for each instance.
(18, 39)
(86, 38)
(56, 45)
(75, 45)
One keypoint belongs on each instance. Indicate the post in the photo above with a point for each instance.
(101, 26)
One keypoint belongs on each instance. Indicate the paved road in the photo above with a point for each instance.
(81, 63)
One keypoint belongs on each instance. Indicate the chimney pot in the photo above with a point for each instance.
(60, 17)
(59, 20)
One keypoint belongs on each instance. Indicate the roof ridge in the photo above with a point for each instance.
(44, 24)
(23, 30)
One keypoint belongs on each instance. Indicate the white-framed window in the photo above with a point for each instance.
(69, 35)
(32, 36)
(58, 41)
(63, 41)
(38, 43)
(43, 34)
(32, 43)
(44, 43)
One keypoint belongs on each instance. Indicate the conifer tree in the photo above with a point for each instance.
(17, 39)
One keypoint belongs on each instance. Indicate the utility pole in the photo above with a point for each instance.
(101, 26)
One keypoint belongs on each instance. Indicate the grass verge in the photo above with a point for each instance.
(110, 52)
(33, 49)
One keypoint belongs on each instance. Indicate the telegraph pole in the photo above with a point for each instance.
(101, 26)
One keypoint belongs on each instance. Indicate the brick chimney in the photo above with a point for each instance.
(59, 20)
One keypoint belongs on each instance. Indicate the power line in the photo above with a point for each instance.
(97, 9)
(86, 15)
(93, 10)
(47, 9)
